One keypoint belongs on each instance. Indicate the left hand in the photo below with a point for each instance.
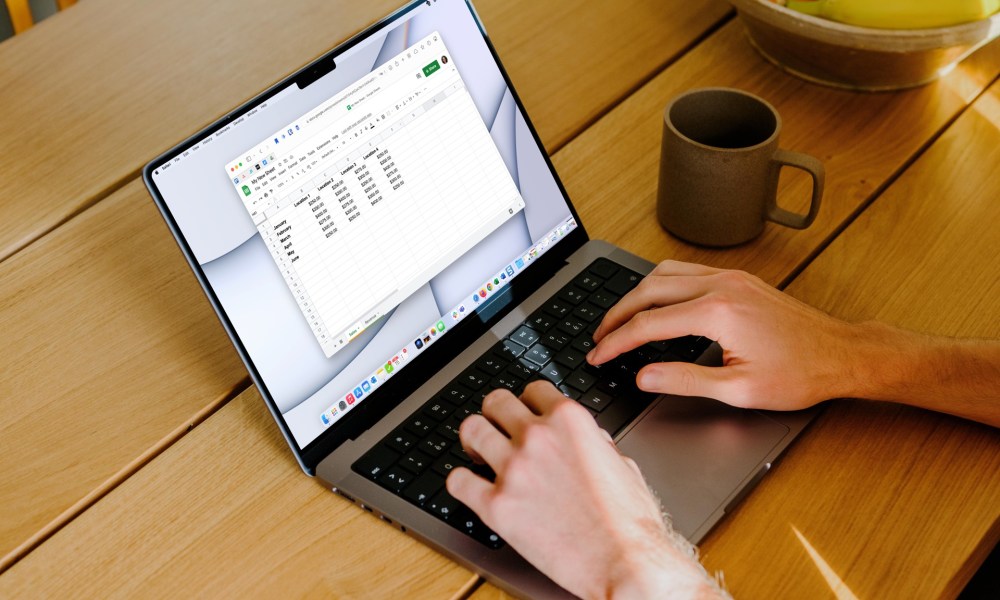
(568, 501)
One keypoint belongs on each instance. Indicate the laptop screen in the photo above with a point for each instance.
(347, 225)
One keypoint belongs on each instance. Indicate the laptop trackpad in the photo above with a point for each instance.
(695, 452)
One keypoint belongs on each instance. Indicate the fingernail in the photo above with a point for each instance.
(590, 356)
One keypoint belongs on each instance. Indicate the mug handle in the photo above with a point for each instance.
(809, 165)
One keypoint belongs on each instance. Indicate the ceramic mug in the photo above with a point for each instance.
(719, 168)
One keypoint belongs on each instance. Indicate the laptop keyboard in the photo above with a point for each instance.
(414, 460)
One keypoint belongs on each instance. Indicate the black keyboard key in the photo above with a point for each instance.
(596, 399)
(375, 461)
(584, 344)
(604, 268)
(415, 462)
(439, 410)
(401, 441)
(424, 488)
(449, 430)
(540, 321)
(572, 326)
(604, 299)
(556, 308)
(464, 411)
(461, 455)
(524, 336)
(660, 346)
(539, 354)
(569, 392)
(571, 358)
(555, 372)
(435, 445)
(581, 380)
(528, 364)
(395, 479)
(521, 371)
(689, 347)
(473, 378)
(456, 394)
(556, 340)
(572, 295)
(419, 425)
(587, 312)
(491, 364)
(508, 349)
(443, 505)
(468, 523)
(588, 281)
(445, 463)
(505, 380)
(623, 282)
(612, 387)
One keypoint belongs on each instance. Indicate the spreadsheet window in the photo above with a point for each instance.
(367, 197)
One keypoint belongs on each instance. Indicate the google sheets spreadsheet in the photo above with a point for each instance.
(371, 194)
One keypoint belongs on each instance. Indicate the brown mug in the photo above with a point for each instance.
(719, 168)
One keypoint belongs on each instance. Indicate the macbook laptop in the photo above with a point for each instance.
(385, 241)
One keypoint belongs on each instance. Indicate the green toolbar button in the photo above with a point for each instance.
(434, 66)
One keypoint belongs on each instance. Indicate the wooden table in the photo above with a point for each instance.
(129, 427)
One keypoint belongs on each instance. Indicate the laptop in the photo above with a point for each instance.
(385, 241)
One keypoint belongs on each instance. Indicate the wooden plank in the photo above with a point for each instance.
(226, 511)
(109, 269)
(899, 502)
(964, 81)
(124, 85)
(110, 350)
(611, 169)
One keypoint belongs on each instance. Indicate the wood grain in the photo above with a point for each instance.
(226, 512)
(899, 502)
(104, 321)
(131, 81)
(110, 350)
(863, 140)
(882, 132)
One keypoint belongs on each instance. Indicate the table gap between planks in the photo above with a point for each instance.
(111, 351)
(878, 153)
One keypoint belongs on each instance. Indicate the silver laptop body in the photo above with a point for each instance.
(370, 226)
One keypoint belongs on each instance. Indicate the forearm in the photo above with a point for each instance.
(959, 377)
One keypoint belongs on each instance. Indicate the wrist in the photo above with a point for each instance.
(660, 569)
(885, 362)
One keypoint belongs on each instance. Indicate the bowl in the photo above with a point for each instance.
(859, 58)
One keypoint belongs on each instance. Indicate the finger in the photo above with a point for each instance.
(664, 323)
(542, 397)
(469, 489)
(676, 267)
(652, 292)
(481, 438)
(686, 379)
(506, 411)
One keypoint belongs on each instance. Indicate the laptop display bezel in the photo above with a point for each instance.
(436, 356)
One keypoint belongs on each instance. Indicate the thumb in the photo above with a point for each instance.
(685, 379)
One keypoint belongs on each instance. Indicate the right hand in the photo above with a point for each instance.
(778, 353)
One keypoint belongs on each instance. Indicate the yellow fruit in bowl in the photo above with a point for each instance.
(897, 14)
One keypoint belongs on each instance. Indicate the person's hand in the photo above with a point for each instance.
(568, 502)
(778, 353)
